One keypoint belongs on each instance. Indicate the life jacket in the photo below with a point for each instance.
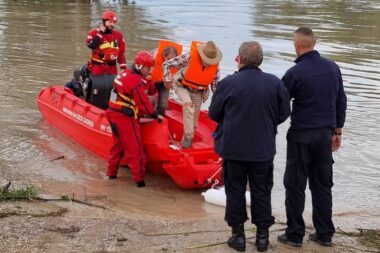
(197, 76)
(157, 73)
(107, 52)
(123, 103)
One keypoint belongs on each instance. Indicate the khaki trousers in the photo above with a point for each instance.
(191, 105)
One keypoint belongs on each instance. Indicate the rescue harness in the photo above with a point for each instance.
(124, 102)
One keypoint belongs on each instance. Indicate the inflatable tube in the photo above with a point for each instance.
(217, 196)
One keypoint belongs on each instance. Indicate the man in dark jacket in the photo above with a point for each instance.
(248, 106)
(317, 118)
(78, 85)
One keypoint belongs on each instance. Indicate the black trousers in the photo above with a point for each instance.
(309, 156)
(163, 97)
(260, 178)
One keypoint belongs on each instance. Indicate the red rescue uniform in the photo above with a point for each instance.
(129, 101)
(107, 49)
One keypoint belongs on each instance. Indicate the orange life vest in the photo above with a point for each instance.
(157, 73)
(197, 76)
(107, 52)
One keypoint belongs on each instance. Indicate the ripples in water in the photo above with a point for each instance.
(41, 42)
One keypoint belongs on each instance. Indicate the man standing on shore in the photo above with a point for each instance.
(318, 115)
(248, 106)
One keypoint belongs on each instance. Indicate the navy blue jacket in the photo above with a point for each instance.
(316, 87)
(248, 106)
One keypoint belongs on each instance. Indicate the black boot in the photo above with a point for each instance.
(262, 239)
(140, 184)
(237, 240)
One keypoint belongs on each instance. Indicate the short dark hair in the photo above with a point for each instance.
(251, 53)
(304, 30)
(168, 50)
(305, 36)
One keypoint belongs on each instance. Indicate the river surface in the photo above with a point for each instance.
(42, 42)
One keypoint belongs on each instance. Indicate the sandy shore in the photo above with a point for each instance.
(59, 226)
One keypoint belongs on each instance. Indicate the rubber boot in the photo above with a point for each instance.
(237, 240)
(186, 142)
(140, 184)
(262, 239)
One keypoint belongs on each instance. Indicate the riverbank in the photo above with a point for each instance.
(93, 225)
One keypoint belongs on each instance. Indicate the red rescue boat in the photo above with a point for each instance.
(197, 167)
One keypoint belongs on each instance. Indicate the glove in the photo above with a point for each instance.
(160, 118)
(155, 114)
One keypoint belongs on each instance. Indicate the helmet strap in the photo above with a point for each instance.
(139, 66)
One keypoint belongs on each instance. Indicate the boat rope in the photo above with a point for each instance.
(179, 149)
(208, 180)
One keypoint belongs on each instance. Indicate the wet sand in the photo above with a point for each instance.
(157, 218)
(73, 227)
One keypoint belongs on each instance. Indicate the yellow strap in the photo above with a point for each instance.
(97, 60)
(130, 100)
(133, 108)
(130, 104)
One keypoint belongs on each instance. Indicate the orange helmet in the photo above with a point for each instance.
(109, 15)
(144, 58)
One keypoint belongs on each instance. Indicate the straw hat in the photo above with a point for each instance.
(209, 53)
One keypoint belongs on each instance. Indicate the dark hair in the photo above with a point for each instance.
(168, 50)
(306, 31)
(251, 53)
(306, 37)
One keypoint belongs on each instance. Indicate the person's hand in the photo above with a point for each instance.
(155, 114)
(336, 142)
(205, 95)
(160, 118)
(168, 85)
(102, 28)
(123, 66)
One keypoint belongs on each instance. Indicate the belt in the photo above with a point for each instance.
(191, 89)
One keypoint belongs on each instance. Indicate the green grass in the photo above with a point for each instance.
(370, 238)
(25, 193)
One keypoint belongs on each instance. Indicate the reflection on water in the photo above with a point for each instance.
(41, 42)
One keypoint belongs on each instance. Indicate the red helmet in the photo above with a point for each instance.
(144, 58)
(109, 15)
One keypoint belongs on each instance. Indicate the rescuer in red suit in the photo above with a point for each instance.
(107, 46)
(128, 102)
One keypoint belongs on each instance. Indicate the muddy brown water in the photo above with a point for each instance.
(42, 42)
